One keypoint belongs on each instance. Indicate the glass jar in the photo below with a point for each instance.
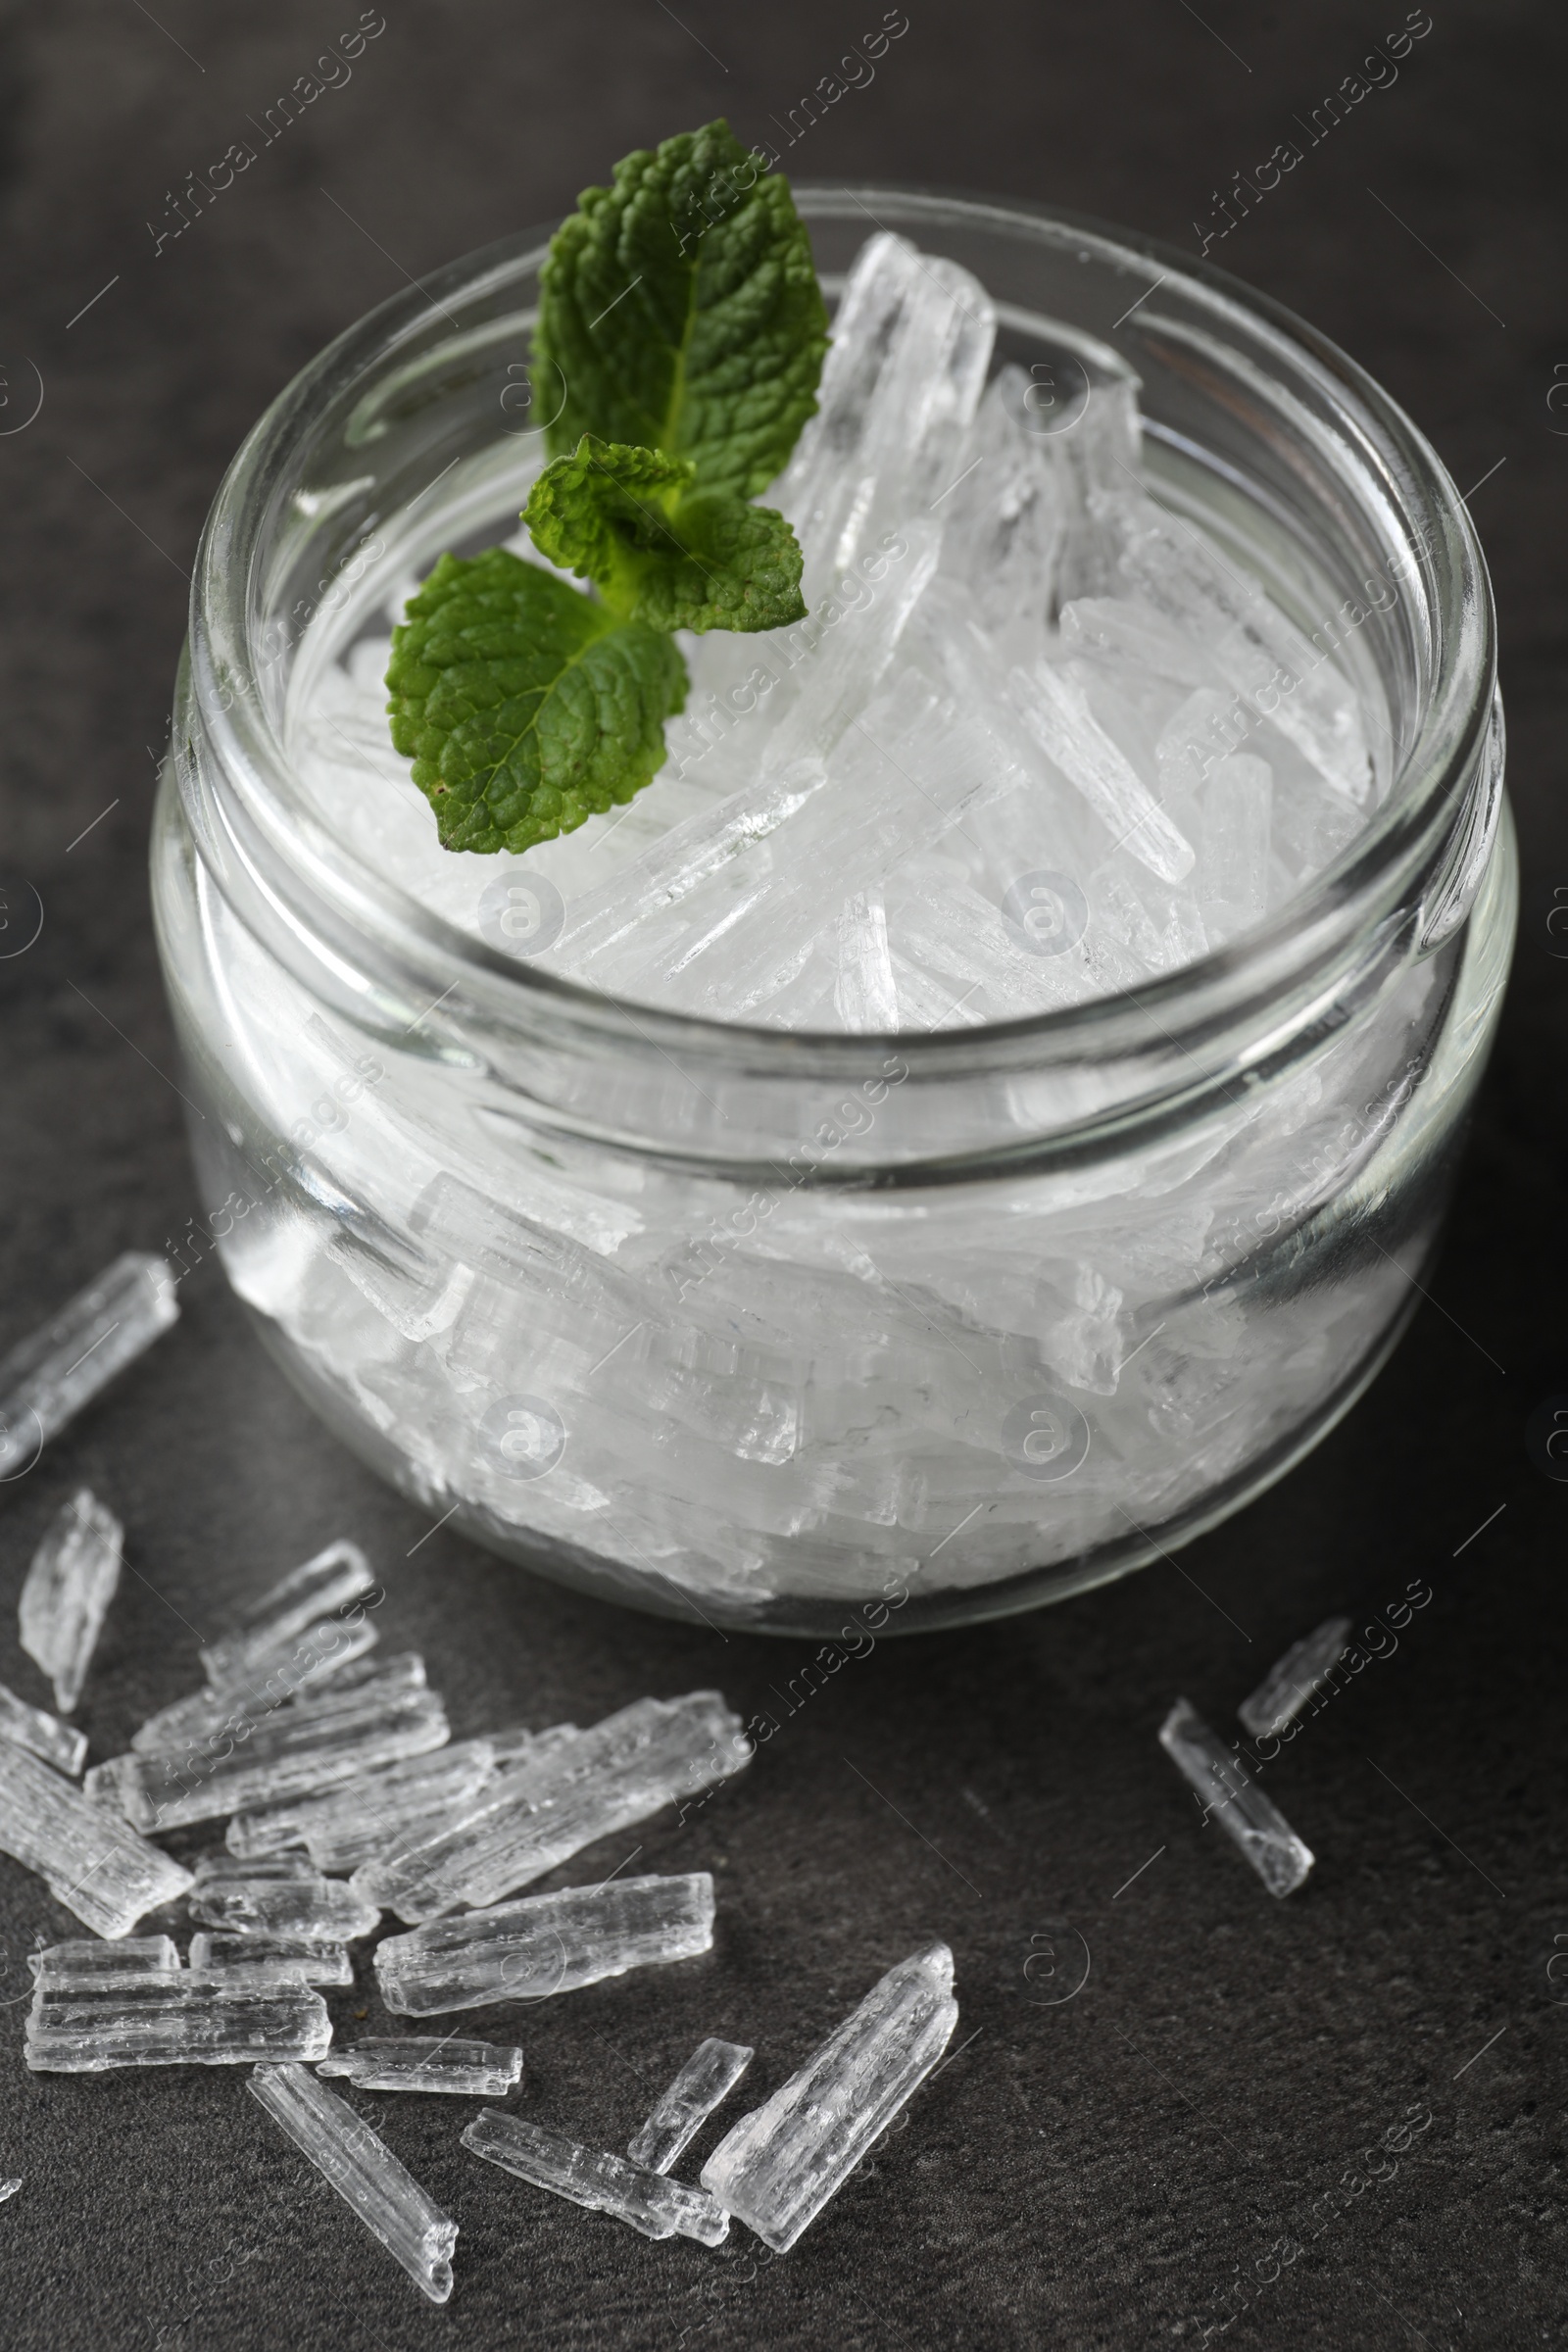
(788, 1331)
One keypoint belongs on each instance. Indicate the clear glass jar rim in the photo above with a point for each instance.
(1404, 839)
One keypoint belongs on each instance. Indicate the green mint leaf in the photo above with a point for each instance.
(526, 707)
(659, 551)
(681, 308)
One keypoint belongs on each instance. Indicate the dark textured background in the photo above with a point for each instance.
(1096, 2171)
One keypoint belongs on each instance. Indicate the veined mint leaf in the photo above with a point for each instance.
(526, 707)
(682, 309)
(659, 551)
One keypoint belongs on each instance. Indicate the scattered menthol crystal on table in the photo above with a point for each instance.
(364, 2170)
(352, 1824)
(251, 1959)
(72, 1579)
(547, 1807)
(485, 2070)
(298, 1751)
(8, 2189)
(707, 2079)
(322, 1908)
(779, 2164)
(546, 1944)
(1287, 1687)
(1233, 1800)
(332, 1579)
(59, 1744)
(87, 2024)
(593, 2177)
(91, 1862)
(47, 1380)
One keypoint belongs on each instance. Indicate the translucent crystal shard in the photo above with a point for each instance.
(707, 2079)
(47, 1380)
(1231, 1798)
(1287, 1685)
(482, 2070)
(9, 2188)
(59, 1744)
(780, 2166)
(1052, 700)
(93, 1863)
(249, 1960)
(298, 1751)
(364, 2170)
(546, 1944)
(330, 1655)
(332, 1579)
(85, 1957)
(325, 1909)
(86, 2024)
(544, 1810)
(357, 1823)
(592, 2177)
(70, 1586)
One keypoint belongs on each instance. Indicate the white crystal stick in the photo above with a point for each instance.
(546, 1944)
(251, 1959)
(59, 1744)
(70, 1586)
(1241, 1808)
(322, 1908)
(1054, 703)
(330, 1579)
(364, 2170)
(329, 1654)
(352, 1824)
(707, 2079)
(47, 1380)
(90, 1956)
(484, 2070)
(543, 1811)
(295, 1753)
(593, 2177)
(780, 2166)
(9, 2188)
(1287, 1685)
(86, 2024)
(92, 1862)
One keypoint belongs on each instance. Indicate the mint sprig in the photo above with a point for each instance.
(658, 549)
(683, 312)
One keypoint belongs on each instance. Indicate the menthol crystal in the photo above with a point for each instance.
(429, 2062)
(86, 2024)
(59, 1744)
(325, 1909)
(91, 1862)
(1233, 1800)
(48, 1378)
(302, 1668)
(779, 2164)
(72, 1579)
(364, 2170)
(544, 1944)
(547, 1807)
(593, 2177)
(331, 1579)
(91, 1957)
(354, 1824)
(298, 1751)
(704, 2083)
(1289, 1685)
(250, 1959)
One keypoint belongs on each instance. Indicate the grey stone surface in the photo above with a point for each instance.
(1098, 2170)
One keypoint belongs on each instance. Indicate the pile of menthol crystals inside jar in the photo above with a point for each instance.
(1044, 736)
